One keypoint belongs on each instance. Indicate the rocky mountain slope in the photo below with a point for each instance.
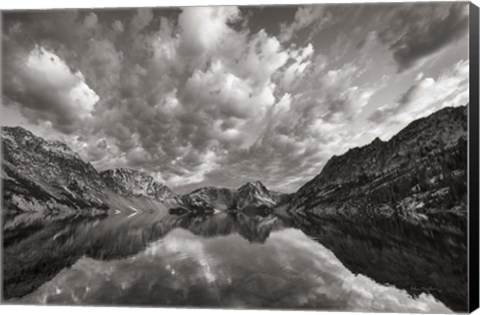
(251, 195)
(48, 177)
(417, 176)
(129, 182)
(254, 194)
(40, 175)
(215, 197)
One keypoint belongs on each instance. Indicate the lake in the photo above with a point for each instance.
(220, 260)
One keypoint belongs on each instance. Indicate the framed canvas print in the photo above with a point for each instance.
(289, 157)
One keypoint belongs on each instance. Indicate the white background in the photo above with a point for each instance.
(54, 310)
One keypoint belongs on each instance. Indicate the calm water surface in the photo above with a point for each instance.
(157, 259)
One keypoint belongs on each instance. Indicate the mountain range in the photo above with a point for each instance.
(418, 176)
(251, 194)
(47, 176)
(394, 211)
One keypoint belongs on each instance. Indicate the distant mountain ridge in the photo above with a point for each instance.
(251, 194)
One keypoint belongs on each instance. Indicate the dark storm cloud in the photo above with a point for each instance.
(417, 31)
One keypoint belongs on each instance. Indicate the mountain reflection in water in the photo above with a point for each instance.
(221, 260)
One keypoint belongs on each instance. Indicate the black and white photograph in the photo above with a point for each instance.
(280, 157)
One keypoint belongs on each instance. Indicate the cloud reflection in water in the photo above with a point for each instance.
(288, 271)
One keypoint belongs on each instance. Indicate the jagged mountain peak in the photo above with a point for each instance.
(254, 193)
(377, 141)
(253, 185)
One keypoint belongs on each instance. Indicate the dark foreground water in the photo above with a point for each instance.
(221, 260)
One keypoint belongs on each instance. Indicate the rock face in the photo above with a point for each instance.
(254, 194)
(47, 176)
(250, 195)
(215, 197)
(418, 176)
(40, 175)
(129, 182)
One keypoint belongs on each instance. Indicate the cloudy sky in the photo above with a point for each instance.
(223, 95)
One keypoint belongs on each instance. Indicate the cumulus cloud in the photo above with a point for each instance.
(225, 93)
(297, 68)
(200, 96)
(49, 90)
(263, 57)
(204, 31)
(331, 94)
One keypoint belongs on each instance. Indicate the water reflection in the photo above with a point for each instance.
(416, 258)
(37, 248)
(221, 260)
